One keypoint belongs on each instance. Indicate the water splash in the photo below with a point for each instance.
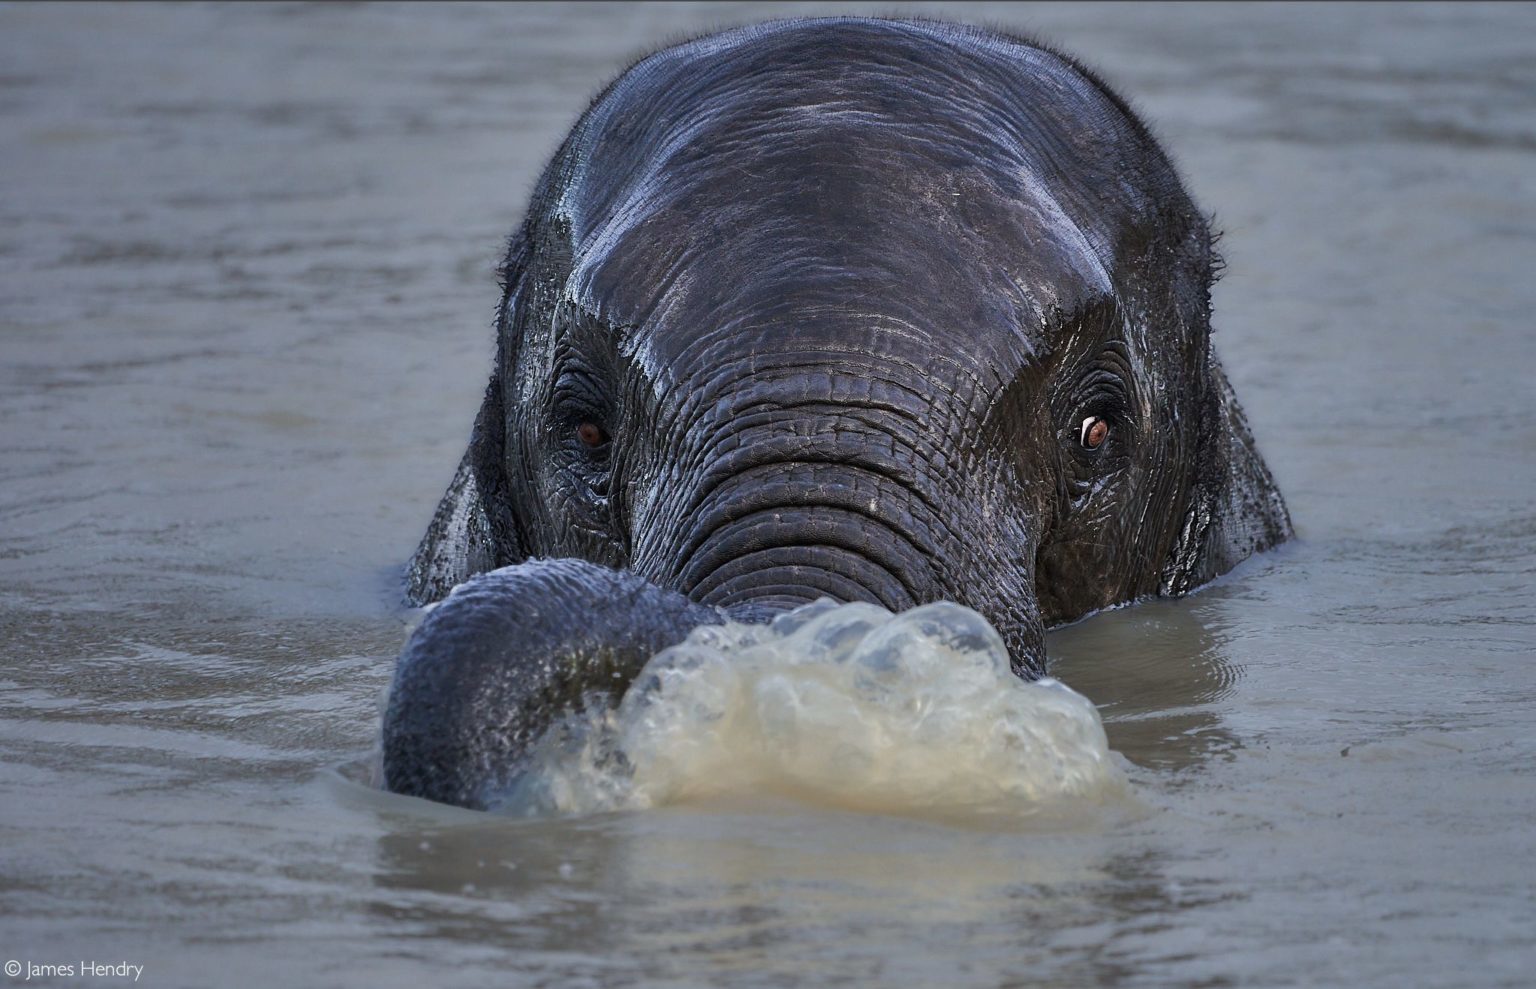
(847, 706)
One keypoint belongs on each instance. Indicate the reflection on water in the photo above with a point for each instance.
(246, 260)
(789, 894)
(1156, 672)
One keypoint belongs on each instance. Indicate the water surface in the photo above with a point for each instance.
(246, 286)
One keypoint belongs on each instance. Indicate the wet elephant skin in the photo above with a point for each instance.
(888, 311)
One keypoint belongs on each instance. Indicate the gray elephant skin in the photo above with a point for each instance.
(875, 310)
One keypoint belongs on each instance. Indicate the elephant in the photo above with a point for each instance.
(881, 310)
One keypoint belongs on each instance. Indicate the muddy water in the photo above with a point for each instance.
(245, 290)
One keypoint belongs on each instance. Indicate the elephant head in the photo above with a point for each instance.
(874, 310)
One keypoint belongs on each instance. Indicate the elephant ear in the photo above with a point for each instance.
(473, 530)
(1235, 509)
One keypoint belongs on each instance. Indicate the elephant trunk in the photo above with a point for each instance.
(801, 504)
(793, 510)
(504, 656)
(806, 501)
(780, 552)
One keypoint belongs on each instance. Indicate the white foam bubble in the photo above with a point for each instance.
(844, 705)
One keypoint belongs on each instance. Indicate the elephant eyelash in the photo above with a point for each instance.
(577, 409)
(577, 436)
(1105, 403)
(1093, 432)
(1102, 392)
(592, 435)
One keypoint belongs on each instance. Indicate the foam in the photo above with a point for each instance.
(847, 706)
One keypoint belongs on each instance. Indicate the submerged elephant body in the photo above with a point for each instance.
(872, 310)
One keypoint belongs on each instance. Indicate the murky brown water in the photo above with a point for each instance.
(245, 295)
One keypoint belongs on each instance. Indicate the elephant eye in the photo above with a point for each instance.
(591, 435)
(1093, 433)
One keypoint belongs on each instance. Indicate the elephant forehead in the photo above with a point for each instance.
(893, 190)
(866, 196)
(833, 247)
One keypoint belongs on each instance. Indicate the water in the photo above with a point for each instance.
(245, 295)
(840, 706)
